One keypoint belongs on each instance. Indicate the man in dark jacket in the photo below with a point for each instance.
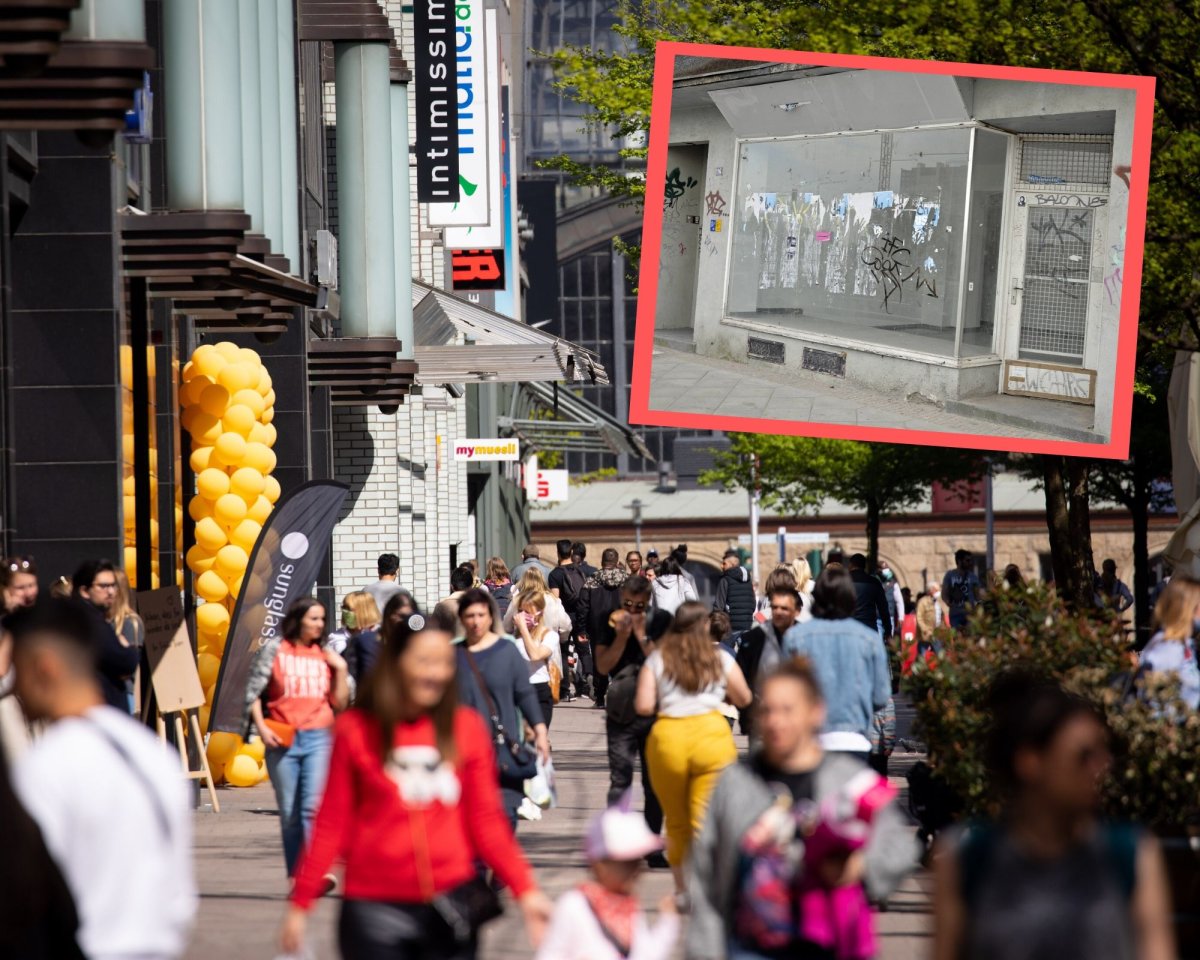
(601, 596)
(735, 593)
(760, 648)
(872, 607)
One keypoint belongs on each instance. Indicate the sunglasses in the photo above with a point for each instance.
(634, 607)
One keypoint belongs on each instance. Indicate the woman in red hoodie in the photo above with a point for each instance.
(410, 806)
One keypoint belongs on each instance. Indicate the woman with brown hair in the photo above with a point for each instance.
(296, 684)
(683, 682)
(411, 805)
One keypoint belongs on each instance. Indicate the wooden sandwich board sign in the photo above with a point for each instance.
(174, 676)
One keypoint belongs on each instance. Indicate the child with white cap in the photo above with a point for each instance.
(602, 919)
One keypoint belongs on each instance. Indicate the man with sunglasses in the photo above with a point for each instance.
(95, 586)
(619, 651)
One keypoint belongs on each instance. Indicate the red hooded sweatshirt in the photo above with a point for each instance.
(413, 828)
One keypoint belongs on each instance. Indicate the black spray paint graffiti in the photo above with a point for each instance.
(889, 263)
(676, 187)
(1069, 200)
(1060, 228)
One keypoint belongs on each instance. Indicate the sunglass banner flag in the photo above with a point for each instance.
(284, 565)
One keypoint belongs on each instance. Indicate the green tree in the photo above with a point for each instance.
(799, 474)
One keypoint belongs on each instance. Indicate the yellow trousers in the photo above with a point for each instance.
(685, 756)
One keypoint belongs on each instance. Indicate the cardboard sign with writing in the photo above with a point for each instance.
(169, 651)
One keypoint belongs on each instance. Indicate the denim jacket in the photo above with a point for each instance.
(851, 666)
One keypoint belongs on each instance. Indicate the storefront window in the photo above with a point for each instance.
(861, 236)
(988, 181)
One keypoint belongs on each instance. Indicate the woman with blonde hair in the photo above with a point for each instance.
(361, 621)
(684, 681)
(555, 616)
(130, 628)
(539, 645)
(804, 586)
(1172, 651)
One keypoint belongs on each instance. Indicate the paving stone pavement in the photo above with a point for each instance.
(239, 862)
(683, 382)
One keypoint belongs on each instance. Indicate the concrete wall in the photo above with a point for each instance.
(682, 233)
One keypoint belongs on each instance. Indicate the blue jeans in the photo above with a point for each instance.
(298, 775)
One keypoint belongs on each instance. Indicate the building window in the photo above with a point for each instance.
(856, 236)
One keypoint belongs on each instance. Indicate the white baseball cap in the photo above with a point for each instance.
(620, 833)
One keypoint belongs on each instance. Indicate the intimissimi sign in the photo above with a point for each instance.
(436, 101)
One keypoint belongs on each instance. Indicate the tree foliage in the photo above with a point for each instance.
(798, 474)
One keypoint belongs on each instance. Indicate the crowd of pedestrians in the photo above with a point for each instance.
(401, 742)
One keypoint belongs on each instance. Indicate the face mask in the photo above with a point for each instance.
(349, 620)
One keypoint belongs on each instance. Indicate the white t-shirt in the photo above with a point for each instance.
(539, 672)
(114, 812)
(574, 934)
(676, 702)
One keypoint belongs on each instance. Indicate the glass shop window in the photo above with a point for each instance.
(861, 236)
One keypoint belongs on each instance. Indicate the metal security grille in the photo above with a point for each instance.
(1078, 159)
(1058, 257)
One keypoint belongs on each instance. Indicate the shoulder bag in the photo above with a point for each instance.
(516, 761)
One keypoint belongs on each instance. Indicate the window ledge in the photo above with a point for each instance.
(847, 343)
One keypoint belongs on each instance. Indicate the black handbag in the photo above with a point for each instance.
(516, 761)
(468, 907)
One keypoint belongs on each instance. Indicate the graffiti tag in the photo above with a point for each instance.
(890, 264)
(1061, 228)
(1069, 200)
(714, 204)
(676, 185)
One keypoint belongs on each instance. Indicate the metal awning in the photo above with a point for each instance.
(456, 341)
(576, 424)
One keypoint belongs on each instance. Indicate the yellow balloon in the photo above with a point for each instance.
(249, 398)
(213, 643)
(187, 419)
(229, 510)
(229, 350)
(260, 510)
(267, 415)
(247, 483)
(209, 365)
(201, 459)
(214, 400)
(210, 587)
(211, 617)
(154, 582)
(131, 558)
(231, 561)
(239, 418)
(205, 429)
(212, 483)
(245, 535)
(194, 389)
(207, 666)
(189, 371)
(127, 448)
(262, 772)
(271, 490)
(127, 486)
(269, 398)
(235, 585)
(260, 457)
(230, 448)
(264, 381)
(256, 750)
(209, 691)
(205, 711)
(129, 502)
(260, 433)
(222, 747)
(199, 560)
(272, 434)
(251, 357)
(241, 771)
(199, 508)
(238, 376)
(210, 536)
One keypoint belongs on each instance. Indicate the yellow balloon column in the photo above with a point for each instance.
(228, 406)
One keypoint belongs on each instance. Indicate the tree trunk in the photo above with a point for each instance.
(872, 534)
(1139, 511)
(1068, 522)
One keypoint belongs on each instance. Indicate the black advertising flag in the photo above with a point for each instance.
(284, 565)
(436, 77)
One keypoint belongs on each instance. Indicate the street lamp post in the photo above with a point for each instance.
(636, 507)
(989, 516)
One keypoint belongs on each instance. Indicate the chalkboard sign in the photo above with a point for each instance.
(769, 350)
(824, 361)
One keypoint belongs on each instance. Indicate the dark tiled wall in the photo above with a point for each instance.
(64, 338)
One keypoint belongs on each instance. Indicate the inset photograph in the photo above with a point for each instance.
(892, 250)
